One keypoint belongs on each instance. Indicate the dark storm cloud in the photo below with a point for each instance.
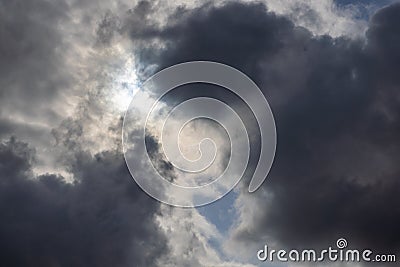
(103, 219)
(231, 35)
(336, 104)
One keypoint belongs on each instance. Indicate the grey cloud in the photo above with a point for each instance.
(102, 219)
(32, 62)
(35, 74)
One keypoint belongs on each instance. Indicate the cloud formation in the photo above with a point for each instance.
(102, 219)
(336, 107)
(335, 100)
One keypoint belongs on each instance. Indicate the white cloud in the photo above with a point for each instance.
(190, 238)
(321, 16)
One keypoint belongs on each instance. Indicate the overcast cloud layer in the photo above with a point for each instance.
(328, 69)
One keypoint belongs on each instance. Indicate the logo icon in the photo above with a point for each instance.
(150, 115)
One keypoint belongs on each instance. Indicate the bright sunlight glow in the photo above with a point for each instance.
(124, 86)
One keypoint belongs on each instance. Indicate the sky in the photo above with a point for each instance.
(68, 72)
